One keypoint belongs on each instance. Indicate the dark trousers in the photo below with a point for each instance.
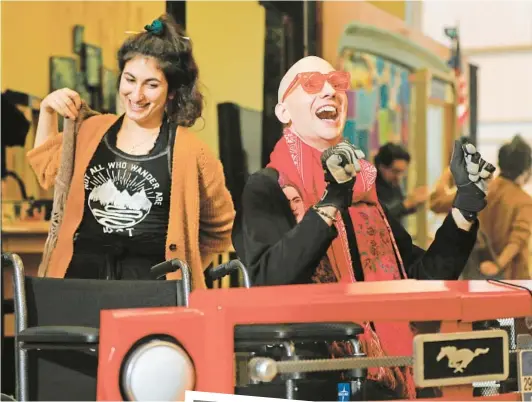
(109, 265)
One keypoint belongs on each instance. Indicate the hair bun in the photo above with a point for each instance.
(156, 27)
(517, 140)
(515, 157)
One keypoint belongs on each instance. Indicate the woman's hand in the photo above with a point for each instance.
(489, 268)
(65, 102)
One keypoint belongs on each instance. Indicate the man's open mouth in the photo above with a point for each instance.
(327, 112)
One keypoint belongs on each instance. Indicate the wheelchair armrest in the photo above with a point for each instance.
(60, 335)
(160, 270)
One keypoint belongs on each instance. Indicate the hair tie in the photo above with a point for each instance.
(156, 27)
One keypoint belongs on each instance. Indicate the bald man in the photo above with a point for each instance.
(341, 233)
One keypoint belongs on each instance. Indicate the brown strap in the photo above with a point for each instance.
(62, 183)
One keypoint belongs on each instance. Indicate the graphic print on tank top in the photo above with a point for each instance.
(123, 194)
(127, 195)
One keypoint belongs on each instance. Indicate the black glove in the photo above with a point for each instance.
(470, 173)
(340, 166)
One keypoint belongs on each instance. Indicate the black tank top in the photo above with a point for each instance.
(127, 200)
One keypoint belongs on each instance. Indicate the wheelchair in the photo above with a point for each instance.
(57, 325)
(46, 325)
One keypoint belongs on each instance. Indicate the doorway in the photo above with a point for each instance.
(178, 10)
(291, 34)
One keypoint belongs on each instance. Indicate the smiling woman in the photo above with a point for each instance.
(140, 176)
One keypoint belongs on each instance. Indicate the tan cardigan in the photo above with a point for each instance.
(201, 209)
(442, 197)
(508, 219)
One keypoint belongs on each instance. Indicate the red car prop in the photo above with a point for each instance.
(251, 341)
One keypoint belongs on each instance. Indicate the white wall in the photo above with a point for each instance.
(486, 23)
(505, 86)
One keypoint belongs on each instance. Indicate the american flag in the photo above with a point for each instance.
(455, 62)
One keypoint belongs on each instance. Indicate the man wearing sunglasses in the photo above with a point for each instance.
(345, 235)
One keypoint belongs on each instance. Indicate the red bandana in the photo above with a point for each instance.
(299, 165)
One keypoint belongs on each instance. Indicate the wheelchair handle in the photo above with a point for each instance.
(228, 268)
(167, 267)
(12, 259)
(21, 322)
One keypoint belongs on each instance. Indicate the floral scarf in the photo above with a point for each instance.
(299, 165)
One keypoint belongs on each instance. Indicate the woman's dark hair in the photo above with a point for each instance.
(167, 43)
(515, 158)
(389, 153)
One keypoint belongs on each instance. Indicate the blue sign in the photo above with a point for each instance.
(344, 391)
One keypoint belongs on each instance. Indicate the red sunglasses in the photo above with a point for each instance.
(313, 82)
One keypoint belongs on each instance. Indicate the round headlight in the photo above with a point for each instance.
(157, 371)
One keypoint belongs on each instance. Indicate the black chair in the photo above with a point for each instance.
(57, 326)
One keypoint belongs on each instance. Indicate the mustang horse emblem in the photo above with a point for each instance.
(459, 359)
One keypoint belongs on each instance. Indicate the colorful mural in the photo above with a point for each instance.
(379, 101)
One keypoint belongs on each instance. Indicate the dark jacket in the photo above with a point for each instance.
(277, 251)
(392, 198)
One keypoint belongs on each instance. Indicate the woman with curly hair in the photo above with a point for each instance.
(144, 188)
